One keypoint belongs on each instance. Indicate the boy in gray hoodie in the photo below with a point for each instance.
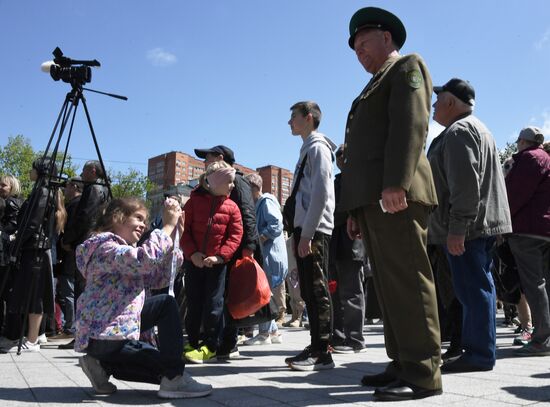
(313, 224)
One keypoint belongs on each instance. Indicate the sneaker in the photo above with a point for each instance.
(533, 349)
(42, 339)
(97, 375)
(276, 338)
(523, 338)
(223, 354)
(187, 348)
(315, 361)
(293, 323)
(347, 349)
(259, 339)
(182, 387)
(69, 345)
(300, 356)
(452, 353)
(518, 330)
(26, 347)
(241, 339)
(62, 335)
(201, 355)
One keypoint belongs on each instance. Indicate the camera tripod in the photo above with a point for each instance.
(45, 190)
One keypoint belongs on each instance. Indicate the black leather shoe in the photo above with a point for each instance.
(461, 366)
(378, 380)
(400, 390)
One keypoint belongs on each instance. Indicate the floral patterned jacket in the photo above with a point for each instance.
(117, 276)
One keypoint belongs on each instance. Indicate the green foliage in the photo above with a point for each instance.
(17, 156)
(130, 184)
(16, 159)
(507, 151)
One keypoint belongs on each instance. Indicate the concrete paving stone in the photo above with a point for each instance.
(472, 402)
(522, 395)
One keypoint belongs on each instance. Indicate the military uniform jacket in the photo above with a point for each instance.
(386, 134)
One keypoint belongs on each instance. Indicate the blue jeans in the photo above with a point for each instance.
(475, 289)
(138, 361)
(65, 298)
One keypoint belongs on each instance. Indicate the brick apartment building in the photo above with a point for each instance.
(175, 171)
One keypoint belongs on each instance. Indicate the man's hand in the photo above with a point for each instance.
(304, 247)
(394, 199)
(248, 253)
(455, 244)
(354, 232)
(197, 259)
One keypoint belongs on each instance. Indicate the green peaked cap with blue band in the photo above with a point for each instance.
(374, 17)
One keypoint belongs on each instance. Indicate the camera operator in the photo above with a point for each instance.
(66, 274)
(40, 218)
(82, 220)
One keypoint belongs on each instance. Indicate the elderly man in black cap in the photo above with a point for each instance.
(472, 210)
(242, 196)
(387, 188)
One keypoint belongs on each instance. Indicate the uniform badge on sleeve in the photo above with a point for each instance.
(414, 79)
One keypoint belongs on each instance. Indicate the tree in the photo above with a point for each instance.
(507, 151)
(16, 159)
(130, 184)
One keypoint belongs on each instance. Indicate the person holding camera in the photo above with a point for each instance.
(41, 218)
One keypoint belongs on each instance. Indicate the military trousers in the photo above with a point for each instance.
(313, 274)
(396, 246)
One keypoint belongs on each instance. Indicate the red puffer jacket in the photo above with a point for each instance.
(213, 225)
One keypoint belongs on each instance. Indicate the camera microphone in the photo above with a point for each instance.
(46, 66)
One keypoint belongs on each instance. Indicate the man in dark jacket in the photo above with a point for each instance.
(242, 196)
(528, 185)
(79, 226)
(346, 267)
(66, 275)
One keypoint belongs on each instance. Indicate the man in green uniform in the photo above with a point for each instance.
(387, 188)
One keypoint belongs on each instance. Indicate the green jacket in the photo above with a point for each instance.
(386, 136)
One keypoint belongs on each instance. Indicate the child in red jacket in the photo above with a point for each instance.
(213, 232)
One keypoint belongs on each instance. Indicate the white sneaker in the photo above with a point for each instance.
(42, 339)
(259, 339)
(97, 375)
(26, 347)
(182, 387)
(277, 338)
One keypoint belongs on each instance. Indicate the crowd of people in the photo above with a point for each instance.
(417, 232)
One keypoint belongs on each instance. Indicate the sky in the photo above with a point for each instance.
(199, 73)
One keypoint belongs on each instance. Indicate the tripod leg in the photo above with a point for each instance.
(95, 144)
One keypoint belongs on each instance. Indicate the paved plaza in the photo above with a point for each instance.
(260, 378)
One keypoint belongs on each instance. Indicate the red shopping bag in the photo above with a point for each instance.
(248, 288)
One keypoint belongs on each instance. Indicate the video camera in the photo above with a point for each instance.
(63, 68)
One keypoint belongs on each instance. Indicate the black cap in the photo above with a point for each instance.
(227, 153)
(460, 88)
(374, 17)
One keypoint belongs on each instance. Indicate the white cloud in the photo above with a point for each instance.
(434, 129)
(545, 39)
(160, 57)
